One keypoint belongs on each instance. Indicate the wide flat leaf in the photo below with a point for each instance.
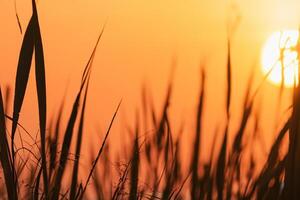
(23, 70)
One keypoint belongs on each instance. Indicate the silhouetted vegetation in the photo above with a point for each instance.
(154, 169)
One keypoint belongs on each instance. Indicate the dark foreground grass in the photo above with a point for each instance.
(154, 169)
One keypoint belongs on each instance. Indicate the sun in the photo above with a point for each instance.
(280, 58)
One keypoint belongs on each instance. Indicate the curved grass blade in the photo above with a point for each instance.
(22, 76)
(78, 146)
(99, 152)
(88, 65)
(70, 126)
(23, 70)
(17, 17)
(66, 145)
(54, 142)
(41, 91)
(181, 186)
(272, 160)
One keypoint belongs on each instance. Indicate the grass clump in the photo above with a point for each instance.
(154, 169)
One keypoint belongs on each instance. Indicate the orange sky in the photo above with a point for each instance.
(139, 43)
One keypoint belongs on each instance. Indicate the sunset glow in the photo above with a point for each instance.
(280, 58)
(137, 100)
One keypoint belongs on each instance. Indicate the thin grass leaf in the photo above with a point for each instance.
(228, 80)
(54, 142)
(196, 155)
(22, 166)
(161, 126)
(235, 156)
(181, 186)
(99, 152)
(98, 185)
(272, 161)
(7, 99)
(89, 63)
(275, 149)
(237, 144)
(17, 17)
(133, 193)
(5, 156)
(78, 147)
(70, 126)
(66, 146)
(37, 185)
(121, 183)
(220, 173)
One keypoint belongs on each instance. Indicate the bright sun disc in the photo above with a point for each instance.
(280, 51)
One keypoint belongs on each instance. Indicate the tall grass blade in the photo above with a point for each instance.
(98, 185)
(22, 76)
(7, 97)
(133, 194)
(99, 152)
(78, 147)
(161, 125)
(228, 80)
(292, 177)
(196, 156)
(220, 173)
(54, 142)
(70, 126)
(5, 156)
(272, 163)
(41, 90)
(36, 191)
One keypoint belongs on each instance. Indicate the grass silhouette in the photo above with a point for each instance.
(154, 169)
